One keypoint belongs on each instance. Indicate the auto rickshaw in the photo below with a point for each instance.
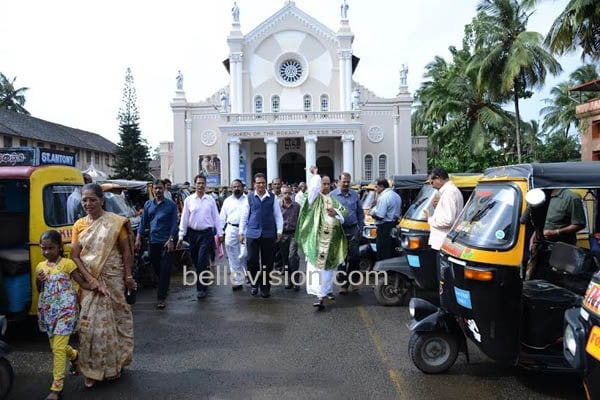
(407, 187)
(581, 344)
(35, 185)
(485, 293)
(417, 263)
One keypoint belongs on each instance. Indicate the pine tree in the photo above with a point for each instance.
(132, 154)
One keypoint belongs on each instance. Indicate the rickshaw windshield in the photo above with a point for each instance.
(490, 218)
(368, 198)
(424, 201)
(116, 203)
(62, 204)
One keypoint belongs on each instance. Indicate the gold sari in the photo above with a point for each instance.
(105, 322)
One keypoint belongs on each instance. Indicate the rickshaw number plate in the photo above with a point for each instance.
(593, 344)
(592, 298)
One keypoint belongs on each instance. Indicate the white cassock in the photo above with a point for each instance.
(231, 212)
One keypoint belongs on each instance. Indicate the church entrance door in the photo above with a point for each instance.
(291, 168)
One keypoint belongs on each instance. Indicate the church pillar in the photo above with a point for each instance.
(188, 149)
(348, 154)
(345, 67)
(271, 158)
(310, 142)
(234, 159)
(235, 60)
(397, 151)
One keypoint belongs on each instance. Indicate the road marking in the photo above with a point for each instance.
(376, 340)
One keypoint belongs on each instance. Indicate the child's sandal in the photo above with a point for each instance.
(73, 367)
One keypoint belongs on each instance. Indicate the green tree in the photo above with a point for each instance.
(559, 148)
(508, 59)
(577, 26)
(132, 154)
(12, 98)
(559, 115)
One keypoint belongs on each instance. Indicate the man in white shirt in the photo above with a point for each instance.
(230, 215)
(199, 218)
(300, 195)
(74, 208)
(449, 205)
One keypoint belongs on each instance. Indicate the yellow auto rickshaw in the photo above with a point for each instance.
(506, 300)
(35, 186)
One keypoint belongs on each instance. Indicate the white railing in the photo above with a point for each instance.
(301, 116)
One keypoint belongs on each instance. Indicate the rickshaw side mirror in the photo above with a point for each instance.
(535, 197)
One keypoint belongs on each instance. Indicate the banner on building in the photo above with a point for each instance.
(210, 167)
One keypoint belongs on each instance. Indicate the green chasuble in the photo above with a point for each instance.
(319, 236)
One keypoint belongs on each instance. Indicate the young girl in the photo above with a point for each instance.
(57, 305)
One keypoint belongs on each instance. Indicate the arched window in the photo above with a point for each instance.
(258, 104)
(368, 167)
(307, 103)
(324, 102)
(382, 164)
(275, 104)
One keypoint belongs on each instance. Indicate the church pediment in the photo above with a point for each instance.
(282, 19)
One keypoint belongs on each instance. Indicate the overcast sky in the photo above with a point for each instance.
(73, 54)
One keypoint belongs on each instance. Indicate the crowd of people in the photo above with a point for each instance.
(271, 225)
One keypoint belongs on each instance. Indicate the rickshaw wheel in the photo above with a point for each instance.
(7, 377)
(433, 353)
(395, 292)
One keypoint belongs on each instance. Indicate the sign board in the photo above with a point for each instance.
(34, 156)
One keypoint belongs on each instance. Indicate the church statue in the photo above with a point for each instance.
(179, 80)
(355, 99)
(224, 101)
(344, 10)
(235, 12)
(403, 75)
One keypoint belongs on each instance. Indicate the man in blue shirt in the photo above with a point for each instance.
(160, 216)
(353, 226)
(385, 213)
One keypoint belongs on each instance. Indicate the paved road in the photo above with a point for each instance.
(234, 346)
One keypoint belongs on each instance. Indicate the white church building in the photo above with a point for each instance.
(291, 102)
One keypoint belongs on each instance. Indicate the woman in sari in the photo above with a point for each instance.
(101, 244)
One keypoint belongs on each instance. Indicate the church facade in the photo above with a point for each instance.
(291, 102)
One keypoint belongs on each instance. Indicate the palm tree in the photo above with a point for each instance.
(10, 97)
(508, 59)
(577, 26)
(559, 116)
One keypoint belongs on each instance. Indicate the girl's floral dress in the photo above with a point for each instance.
(57, 304)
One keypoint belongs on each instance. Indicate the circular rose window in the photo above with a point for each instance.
(375, 134)
(290, 70)
(208, 137)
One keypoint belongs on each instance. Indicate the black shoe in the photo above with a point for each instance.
(319, 304)
(201, 295)
(330, 296)
(265, 293)
(254, 291)
(237, 287)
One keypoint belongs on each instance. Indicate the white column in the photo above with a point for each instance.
(310, 142)
(271, 158)
(397, 151)
(348, 154)
(234, 159)
(235, 66)
(345, 66)
(188, 149)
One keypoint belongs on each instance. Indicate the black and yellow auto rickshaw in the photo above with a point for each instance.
(417, 262)
(484, 293)
(407, 187)
(35, 190)
(581, 343)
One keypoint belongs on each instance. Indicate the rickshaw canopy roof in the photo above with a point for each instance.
(124, 184)
(413, 181)
(551, 175)
(465, 180)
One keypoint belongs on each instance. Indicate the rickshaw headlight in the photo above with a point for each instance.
(370, 232)
(569, 340)
(415, 243)
(478, 274)
(411, 310)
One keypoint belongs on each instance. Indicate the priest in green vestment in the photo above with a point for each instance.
(320, 235)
